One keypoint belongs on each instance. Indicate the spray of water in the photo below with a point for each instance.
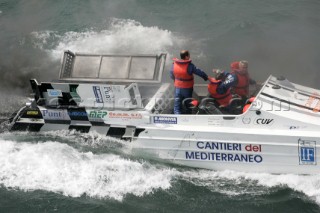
(119, 36)
(59, 168)
(234, 183)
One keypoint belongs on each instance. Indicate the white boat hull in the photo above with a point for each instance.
(247, 152)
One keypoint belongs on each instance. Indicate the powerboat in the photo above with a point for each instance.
(124, 96)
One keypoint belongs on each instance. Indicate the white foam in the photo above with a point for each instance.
(237, 183)
(92, 139)
(59, 168)
(309, 185)
(121, 36)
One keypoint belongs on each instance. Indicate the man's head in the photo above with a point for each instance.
(234, 66)
(184, 54)
(219, 74)
(243, 65)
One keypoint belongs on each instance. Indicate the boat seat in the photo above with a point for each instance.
(208, 106)
(235, 106)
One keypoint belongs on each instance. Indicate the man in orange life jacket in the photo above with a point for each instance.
(224, 99)
(238, 79)
(182, 73)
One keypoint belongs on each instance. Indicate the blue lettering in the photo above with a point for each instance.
(218, 146)
(80, 114)
(200, 143)
(215, 145)
(224, 157)
(204, 156)
(258, 158)
(198, 155)
(236, 157)
(218, 156)
(208, 146)
(244, 158)
(190, 156)
(237, 146)
(229, 146)
(52, 114)
(212, 156)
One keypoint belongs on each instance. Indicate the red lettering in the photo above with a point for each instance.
(248, 148)
(253, 148)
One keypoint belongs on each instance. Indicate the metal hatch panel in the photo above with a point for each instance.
(83, 67)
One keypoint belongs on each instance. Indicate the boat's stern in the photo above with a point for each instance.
(27, 118)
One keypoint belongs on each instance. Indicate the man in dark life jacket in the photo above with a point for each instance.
(182, 72)
(238, 79)
(222, 99)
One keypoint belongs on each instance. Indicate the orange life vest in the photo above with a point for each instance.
(182, 79)
(222, 99)
(242, 87)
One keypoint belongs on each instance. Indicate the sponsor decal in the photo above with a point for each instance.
(296, 127)
(185, 119)
(313, 102)
(32, 112)
(226, 157)
(246, 120)
(317, 107)
(164, 120)
(74, 93)
(307, 152)
(54, 93)
(97, 114)
(215, 121)
(218, 146)
(77, 114)
(218, 151)
(108, 94)
(97, 94)
(54, 114)
(125, 115)
(264, 121)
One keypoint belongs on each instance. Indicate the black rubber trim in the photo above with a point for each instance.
(66, 122)
(83, 129)
(138, 131)
(97, 123)
(26, 127)
(228, 118)
(117, 132)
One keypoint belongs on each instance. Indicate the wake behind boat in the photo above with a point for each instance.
(123, 96)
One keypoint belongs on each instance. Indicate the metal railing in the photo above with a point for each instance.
(82, 67)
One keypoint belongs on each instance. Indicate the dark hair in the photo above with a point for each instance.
(184, 54)
(219, 74)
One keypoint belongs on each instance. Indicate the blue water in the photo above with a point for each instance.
(69, 172)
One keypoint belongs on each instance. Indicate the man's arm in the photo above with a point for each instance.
(230, 81)
(171, 73)
(192, 69)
